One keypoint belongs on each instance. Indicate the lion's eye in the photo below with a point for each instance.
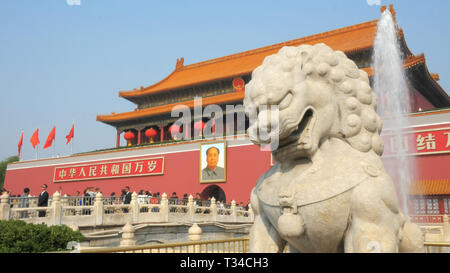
(285, 101)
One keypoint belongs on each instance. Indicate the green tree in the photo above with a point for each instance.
(3, 165)
(19, 237)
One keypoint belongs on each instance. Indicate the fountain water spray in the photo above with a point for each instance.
(389, 84)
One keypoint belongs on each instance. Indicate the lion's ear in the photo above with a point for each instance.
(306, 55)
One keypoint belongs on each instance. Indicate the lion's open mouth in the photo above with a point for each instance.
(301, 134)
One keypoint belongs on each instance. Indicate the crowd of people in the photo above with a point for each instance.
(87, 198)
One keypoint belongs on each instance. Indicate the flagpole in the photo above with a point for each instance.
(71, 145)
(54, 144)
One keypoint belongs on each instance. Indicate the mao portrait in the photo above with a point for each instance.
(212, 162)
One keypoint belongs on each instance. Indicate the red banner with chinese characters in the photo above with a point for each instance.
(433, 141)
(104, 170)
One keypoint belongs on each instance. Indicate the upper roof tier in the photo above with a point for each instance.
(348, 39)
(224, 98)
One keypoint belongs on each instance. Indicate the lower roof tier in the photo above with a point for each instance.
(419, 79)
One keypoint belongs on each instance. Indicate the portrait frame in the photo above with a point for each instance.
(221, 146)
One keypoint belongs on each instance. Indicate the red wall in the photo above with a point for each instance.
(420, 101)
(244, 164)
(181, 175)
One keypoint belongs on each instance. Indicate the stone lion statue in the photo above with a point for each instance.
(328, 190)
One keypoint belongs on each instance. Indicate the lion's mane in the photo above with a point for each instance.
(359, 124)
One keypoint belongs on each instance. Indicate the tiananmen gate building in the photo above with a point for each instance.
(154, 161)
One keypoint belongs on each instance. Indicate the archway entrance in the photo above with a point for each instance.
(214, 191)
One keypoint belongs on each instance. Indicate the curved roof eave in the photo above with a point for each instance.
(348, 39)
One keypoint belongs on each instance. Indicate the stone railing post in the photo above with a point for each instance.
(134, 208)
(128, 235)
(233, 211)
(65, 201)
(98, 209)
(250, 213)
(446, 228)
(56, 210)
(213, 208)
(164, 208)
(191, 208)
(4, 207)
(195, 234)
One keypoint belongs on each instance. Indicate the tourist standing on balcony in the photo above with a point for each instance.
(43, 200)
(142, 199)
(87, 201)
(127, 199)
(23, 203)
(154, 200)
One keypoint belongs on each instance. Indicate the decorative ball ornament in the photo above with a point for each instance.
(291, 225)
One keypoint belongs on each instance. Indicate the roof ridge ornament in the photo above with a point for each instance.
(392, 10)
(179, 64)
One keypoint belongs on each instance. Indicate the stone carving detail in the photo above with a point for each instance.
(328, 191)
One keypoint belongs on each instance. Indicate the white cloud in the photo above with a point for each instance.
(373, 2)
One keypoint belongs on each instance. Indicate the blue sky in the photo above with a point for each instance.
(61, 62)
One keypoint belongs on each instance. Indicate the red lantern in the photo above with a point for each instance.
(199, 125)
(128, 135)
(174, 129)
(150, 132)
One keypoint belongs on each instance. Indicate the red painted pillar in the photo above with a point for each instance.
(161, 132)
(187, 131)
(118, 139)
(139, 137)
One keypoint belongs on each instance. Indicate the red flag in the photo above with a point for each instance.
(35, 138)
(70, 135)
(19, 146)
(50, 138)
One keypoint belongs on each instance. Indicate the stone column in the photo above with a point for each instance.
(213, 207)
(251, 215)
(98, 209)
(161, 133)
(134, 208)
(233, 211)
(164, 208)
(187, 131)
(446, 227)
(139, 136)
(4, 207)
(118, 139)
(56, 211)
(191, 208)
(195, 234)
(128, 235)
